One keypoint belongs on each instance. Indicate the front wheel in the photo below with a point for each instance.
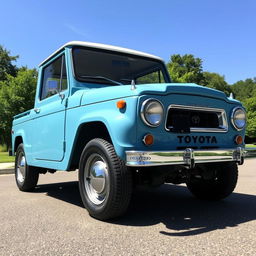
(216, 181)
(105, 183)
(26, 176)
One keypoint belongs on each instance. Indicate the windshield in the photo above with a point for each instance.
(106, 67)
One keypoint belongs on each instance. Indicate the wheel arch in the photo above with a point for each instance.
(17, 142)
(85, 133)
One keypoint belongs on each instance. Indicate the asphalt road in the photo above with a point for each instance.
(164, 221)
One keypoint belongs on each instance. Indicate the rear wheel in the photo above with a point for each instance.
(216, 181)
(26, 176)
(105, 182)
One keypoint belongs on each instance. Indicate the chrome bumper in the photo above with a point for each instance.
(187, 157)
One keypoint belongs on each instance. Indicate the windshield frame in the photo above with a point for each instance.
(162, 64)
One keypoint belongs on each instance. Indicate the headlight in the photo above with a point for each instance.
(152, 112)
(238, 118)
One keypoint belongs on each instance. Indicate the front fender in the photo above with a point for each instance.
(120, 123)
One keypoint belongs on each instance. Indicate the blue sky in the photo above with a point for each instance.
(221, 32)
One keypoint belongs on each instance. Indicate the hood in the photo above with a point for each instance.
(123, 91)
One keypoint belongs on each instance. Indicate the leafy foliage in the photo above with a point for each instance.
(185, 69)
(16, 95)
(6, 66)
(244, 89)
(250, 105)
(216, 81)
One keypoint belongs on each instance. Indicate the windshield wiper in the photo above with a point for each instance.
(102, 78)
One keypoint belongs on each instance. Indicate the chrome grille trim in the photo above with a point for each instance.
(220, 112)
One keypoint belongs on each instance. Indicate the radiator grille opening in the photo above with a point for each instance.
(184, 119)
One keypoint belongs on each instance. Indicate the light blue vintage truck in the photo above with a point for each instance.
(114, 114)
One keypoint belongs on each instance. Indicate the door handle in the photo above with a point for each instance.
(37, 110)
(62, 96)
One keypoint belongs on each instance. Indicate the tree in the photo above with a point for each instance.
(185, 69)
(250, 105)
(216, 81)
(244, 89)
(16, 95)
(6, 66)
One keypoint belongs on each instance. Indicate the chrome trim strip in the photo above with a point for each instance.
(183, 157)
(223, 116)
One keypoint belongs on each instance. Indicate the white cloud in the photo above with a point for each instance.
(77, 31)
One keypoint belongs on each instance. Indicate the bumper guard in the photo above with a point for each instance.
(188, 157)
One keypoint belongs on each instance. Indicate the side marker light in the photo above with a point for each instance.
(121, 104)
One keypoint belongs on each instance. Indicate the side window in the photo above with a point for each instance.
(54, 78)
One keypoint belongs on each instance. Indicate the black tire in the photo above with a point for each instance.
(220, 185)
(26, 176)
(105, 183)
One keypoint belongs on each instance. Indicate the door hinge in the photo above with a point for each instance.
(64, 146)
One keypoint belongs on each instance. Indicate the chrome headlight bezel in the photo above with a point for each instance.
(144, 109)
(234, 118)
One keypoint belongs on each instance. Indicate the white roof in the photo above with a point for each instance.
(104, 47)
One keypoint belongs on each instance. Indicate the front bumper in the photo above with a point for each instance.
(187, 157)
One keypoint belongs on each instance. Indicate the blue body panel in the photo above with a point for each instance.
(49, 135)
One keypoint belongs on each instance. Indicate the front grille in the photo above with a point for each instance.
(185, 119)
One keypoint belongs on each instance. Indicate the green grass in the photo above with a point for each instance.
(5, 158)
(250, 145)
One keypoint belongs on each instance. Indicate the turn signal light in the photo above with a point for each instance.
(121, 104)
(239, 139)
(148, 139)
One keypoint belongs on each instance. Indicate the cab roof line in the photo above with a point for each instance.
(103, 47)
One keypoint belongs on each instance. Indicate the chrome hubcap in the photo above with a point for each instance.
(98, 176)
(96, 179)
(21, 168)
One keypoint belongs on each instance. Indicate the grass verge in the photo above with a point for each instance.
(250, 145)
(5, 158)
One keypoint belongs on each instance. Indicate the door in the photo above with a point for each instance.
(51, 112)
